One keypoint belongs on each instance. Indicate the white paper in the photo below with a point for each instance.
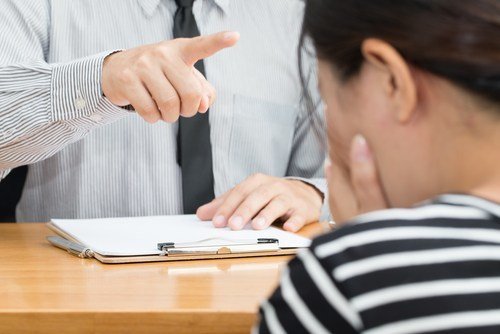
(140, 235)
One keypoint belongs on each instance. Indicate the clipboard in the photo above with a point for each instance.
(169, 250)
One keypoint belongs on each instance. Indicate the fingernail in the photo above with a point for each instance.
(236, 223)
(259, 223)
(361, 152)
(219, 221)
(231, 35)
(292, 227)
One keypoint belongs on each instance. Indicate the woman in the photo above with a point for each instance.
(412, 89)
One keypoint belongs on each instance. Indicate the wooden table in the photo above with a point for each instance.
(44, 289)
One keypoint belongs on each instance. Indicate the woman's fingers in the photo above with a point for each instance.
(364, 177)
(342, 200)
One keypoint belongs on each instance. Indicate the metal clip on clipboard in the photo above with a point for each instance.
(215, 246)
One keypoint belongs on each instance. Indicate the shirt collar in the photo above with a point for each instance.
(150, 6)
(223, 4)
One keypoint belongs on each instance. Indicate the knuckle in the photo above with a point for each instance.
(245, 211)
(256, 177)
(161, 50)
(237, 191)
(170, 103)
(191, 95)
(225, 210)
(170, 116)
(143, 61)
(279, 186)
(265, 192)
(282, 201)
(126, 77)
(149, 110)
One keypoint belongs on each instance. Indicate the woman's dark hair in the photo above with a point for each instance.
(456, 39)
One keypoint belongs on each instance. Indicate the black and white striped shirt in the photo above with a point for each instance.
(431, 269)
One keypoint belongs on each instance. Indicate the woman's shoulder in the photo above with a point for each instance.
(444, 221)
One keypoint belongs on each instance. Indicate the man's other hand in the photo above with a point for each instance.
(260, 200)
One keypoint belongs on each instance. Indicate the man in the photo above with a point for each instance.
(64, 74)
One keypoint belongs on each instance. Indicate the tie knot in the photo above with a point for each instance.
(184, 3)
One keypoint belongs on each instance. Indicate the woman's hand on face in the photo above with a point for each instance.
(357, 190)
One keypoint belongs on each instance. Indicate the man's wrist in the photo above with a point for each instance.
(310, 187)
(319, 185)
(309, 184)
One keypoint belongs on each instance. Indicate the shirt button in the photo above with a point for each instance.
(80, 103)
(96, 117)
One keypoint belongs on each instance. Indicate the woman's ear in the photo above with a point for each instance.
(399, 83)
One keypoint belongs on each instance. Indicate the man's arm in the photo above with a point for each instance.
(43, 107)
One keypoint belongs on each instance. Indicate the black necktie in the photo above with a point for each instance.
(194, 151)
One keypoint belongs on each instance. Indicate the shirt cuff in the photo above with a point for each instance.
(321, 186)
(76, 92)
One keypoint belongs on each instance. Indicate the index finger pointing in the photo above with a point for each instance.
(201, 47)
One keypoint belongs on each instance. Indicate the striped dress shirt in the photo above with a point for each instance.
(51, 55)
(431, 269)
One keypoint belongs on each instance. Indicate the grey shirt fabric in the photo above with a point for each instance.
(51, 54)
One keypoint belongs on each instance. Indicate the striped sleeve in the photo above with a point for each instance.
(43, 107)
(308, 301)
